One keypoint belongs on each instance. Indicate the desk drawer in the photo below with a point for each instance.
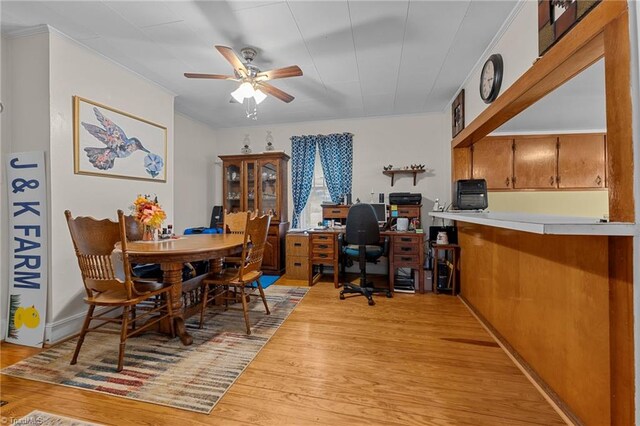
(406, 260)
(404, 249)
(297, 268)
(403, 240)
(322, 237)
(297, 245)
(325, 258)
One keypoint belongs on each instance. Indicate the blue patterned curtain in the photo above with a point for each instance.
(336, 157)
(303, 158)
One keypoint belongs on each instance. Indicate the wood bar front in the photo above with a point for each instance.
(547, 297)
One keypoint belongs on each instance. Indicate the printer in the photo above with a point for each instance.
(405, 198)
(470, 194)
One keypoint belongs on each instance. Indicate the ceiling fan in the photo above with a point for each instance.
(254, 82)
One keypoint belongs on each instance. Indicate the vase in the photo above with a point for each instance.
(148, 233)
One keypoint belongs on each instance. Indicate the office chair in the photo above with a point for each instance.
(362, 241)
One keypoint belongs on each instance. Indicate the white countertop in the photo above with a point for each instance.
(542, 224)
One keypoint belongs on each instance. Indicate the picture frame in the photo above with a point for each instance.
(557, 17)
(112, 143)
(457, 114)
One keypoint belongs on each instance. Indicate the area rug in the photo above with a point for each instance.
(162, 370)
(47, 419)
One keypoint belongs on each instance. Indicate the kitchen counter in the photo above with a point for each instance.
(542, 224)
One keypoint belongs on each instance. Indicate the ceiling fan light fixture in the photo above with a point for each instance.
(259, 96)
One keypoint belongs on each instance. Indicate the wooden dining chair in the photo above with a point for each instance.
(242, 278)
(94, 241)
(236, 223)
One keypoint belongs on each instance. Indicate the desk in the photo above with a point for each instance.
(172, 254)
(406, 250)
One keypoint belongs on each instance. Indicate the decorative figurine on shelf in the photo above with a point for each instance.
(269, 140)
(245, 149)
(389, 167)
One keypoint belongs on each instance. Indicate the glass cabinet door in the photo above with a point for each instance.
(233, 187)
(269, 189)
(250, 201)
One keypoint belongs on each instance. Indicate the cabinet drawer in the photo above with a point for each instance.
(409, 211)
(297, 245)
(297, 267)
(322, 248)
(406, 260)
(335, 212)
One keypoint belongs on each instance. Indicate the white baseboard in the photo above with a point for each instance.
(57, 331)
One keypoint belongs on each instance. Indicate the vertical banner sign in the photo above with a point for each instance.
(27, 196)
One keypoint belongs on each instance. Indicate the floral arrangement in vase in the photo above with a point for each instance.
(149, 213)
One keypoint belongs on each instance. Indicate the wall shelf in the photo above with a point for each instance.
(393, 173)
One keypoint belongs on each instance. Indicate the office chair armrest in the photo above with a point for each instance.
(385, 246)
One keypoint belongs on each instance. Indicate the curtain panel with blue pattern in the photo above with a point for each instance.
(303, 158)
(336, 157)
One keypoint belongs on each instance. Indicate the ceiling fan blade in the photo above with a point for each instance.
(233, 59)
(290, 71)
(274, 91)
(211, 76)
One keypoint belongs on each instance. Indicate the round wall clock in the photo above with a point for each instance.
(491, 78)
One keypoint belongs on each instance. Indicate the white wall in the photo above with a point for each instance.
(377, 141)
(25, 122)
(196, 173)
(519, 49)
(76, 70)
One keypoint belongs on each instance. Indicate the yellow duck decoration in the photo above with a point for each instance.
(29, 317)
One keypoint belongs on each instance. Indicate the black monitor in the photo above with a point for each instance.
(381, 212)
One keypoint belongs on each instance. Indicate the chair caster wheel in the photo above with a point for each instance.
(341, 296)
(371, 302)
(389, 295)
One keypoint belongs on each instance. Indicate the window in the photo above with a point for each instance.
(312, 212)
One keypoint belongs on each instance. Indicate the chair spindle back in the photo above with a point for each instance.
(255, 240)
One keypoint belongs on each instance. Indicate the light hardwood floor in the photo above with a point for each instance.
(413, 359)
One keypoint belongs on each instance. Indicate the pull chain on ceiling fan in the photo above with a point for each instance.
(254, 87)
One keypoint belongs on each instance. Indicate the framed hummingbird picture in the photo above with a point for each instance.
(112, 143)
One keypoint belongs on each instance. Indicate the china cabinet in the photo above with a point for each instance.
(259, 182)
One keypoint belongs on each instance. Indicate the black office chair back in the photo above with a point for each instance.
(362, 225)
(216, 216)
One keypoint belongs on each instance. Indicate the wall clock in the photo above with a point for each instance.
(491, 78)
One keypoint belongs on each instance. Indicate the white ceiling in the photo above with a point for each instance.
(359, 58)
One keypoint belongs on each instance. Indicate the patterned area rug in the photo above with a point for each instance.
(161, 370)
(47, 419)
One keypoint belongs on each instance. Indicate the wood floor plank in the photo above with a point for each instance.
(411, 359)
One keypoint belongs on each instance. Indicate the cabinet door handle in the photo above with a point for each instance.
(323, 246)
(297, 244)
(551, 180)
(507, 181)
(323, 256)
(335, 211)
(297, 264)
(406, 259)
(405, 248)
(598, 180)
(405, 239)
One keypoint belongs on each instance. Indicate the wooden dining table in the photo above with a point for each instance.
(172, 254)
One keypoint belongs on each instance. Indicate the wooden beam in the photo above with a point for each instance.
(619, 120)
(581, 47)
(621, 340)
